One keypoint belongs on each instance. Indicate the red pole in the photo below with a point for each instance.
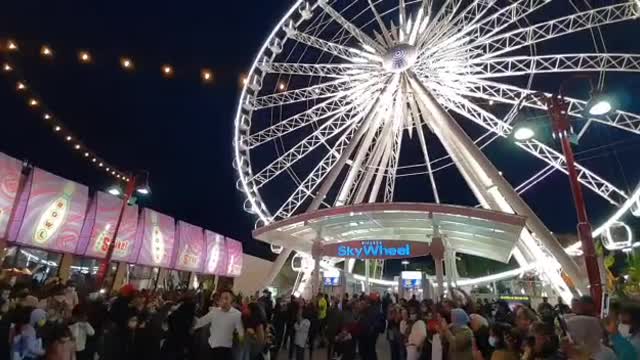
(562, 127)
(104, 266)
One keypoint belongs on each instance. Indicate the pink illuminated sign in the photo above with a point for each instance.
(216, 262)
(54, 213)
(191, 251)
(10, 169)
(99, 227)
(234, 257)
(157, 235)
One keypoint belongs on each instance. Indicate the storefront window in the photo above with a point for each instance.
(38, 265)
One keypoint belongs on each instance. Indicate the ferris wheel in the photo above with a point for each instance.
(345, 98)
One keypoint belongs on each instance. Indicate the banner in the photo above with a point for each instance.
(234, 258)
(10, 174)
(156, 237)
(99, 228)
(191, 251)
(216, 262)
(54, 212)
(376, 249)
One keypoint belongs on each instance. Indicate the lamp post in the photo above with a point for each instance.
(132, 185)
(557, 109)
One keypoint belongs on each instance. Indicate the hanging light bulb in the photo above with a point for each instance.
(126, 63)
(68, 138)
(94, 160)
(84, 57)
(100, 164)
(46, 51)
(167, 70)
(46, 116)
(207, 75)
(21, 86)
(77, 147)
(86, 154)
(33, 102)
(57, 128)
(281, 86)
(7, 67)
(12, 45)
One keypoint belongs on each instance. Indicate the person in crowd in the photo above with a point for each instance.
(266, 302)
(480, 327)
(345, 345)
(255, 325)
(80, 329)
(393, 333)
(301, 334)
(416, 336)
(525, 317)
(620, 344)
(630, 324)
(178, 323)
(458, 335)
(335, 321)
(503, 313)
(279, 323)
(499, 333)
(322, 306)
(293, 307)
(70, 294)
(543, 344)
(223, 321)
(62, 346)
(587, 336)
(26, 344)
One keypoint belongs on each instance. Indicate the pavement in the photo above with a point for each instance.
(382, 347)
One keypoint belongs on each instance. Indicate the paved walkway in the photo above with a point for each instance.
(321, 354)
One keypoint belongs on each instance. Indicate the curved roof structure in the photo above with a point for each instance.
(468, 230)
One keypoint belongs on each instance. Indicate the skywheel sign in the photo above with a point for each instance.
(376, 249)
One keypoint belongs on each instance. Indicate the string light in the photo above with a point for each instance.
(126, 63)
(46, 116)
(86, 154)
(46, 51)
(167, 70)
(33, 102)
(94, 160)
(21, 86)
(68, 138)
(57, 128)
(7, 67)
(245, 80)
(77, 147)
(101, 164)
(281, 86)
(84, 57)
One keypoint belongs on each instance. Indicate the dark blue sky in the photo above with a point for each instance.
(180, 130)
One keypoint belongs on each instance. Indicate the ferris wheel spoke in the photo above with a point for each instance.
(326, 70)
(538, 149)
(368, 43)
(513, 95)
(305, 189)
(467, 19)
(348, 53)
(503, 43)
(521, 65)
(383, 27)
(330, 88)
(536, 178)
(390, 184)
(337, 124)
(441, 20)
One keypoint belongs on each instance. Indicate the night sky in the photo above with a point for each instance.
(181, 130)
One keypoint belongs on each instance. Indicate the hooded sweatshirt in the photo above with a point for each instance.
(26, 344)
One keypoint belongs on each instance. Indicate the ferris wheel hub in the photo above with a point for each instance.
(400, 58)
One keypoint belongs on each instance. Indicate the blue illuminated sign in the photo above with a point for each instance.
(375, 249)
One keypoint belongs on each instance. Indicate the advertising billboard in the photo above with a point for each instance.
(10, 173)
(216, 262)
(54, 213)
(99, 228)
(234, 257)
(376, 249)
(190, 252)
(156, 234)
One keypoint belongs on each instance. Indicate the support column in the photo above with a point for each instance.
(277, 266)
(119, 278)
(367, 275)
(64, 271)
(437, 252)
(493, 190)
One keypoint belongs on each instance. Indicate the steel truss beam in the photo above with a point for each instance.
(363, 38)
(327, 70)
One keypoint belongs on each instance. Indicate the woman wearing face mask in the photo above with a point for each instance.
(417, 335)
(621, 345)
(458, 335)
(498, 334)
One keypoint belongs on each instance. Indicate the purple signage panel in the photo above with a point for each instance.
(376, 249)
(234, 258)
(10, 169)
(99, 228)
(216, 262)
(191, 251)
(54, 214)
(157, 236)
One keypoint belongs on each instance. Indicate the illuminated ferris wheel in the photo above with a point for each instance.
(346, 98)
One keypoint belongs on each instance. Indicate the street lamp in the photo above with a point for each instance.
(143, 187)
(132, 185)
(558, 114)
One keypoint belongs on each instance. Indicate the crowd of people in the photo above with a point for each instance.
(53, 322)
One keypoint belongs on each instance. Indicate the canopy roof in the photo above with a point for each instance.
(485, 233)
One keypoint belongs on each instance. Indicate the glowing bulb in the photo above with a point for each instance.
(167, 70)
(21, 86)
(84, 57)
(94, 159)
(206, 75)
(33, 102)
(281, 86)
(245, 80)
(126, 63)
(11, 45)
(6, 67)
(77, 147)
(118, 176)
(47, 116)
(491, 102)
(107, 169)
(100, 164)
(113, 173)
(46, 51)
(86, 154)
(68, 138)
(57, 128)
